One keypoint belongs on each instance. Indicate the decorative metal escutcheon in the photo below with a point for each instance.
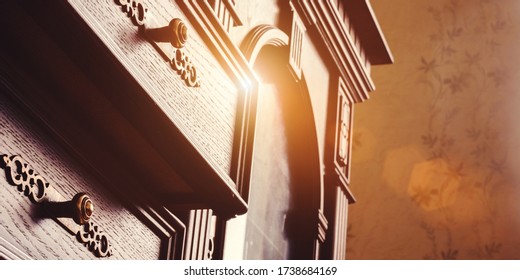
(80, 209)
(175, 33)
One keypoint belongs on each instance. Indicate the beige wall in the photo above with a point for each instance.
(436, 167)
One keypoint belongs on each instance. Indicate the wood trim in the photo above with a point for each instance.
(339, 242)
(369, 32)
(343, 168)
(305, 223)
(296, 43)
(322, 18)
(234, 14)
(200, 238)
(261, 36)
(10, 252)
(239, 70)
(168, 227)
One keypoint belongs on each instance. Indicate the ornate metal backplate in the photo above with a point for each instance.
(135, 9)
(179, 61)
(38, 190)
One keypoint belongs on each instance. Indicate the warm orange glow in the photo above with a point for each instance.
(433, 185)
(441, 178)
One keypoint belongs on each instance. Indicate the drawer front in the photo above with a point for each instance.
(205, 112)
(26, 231)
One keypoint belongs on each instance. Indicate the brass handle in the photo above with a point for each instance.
(176, 33)
(80, 208)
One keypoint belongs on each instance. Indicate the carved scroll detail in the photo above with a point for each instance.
(94, 239)
(135, 10)
(182, 64)
(35, 187)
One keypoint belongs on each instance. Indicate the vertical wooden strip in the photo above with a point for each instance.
(345, 199)
(196, 234)
(340, 231)
(206, 233)
(300, 46)
(214, 4)
(337, 230)
(199, 234)
(291, 42)
(209, 234)
(228, 20)
(202, 234)
(189, 237)
(350, 136)
(221, 9)
(336, 225)
(343, 225)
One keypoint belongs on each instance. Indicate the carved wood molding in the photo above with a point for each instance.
(38, 190)
(239, 70)
(296, 43)
(259, 37)
(200, 243)
(323, 18)
(226, 12)
(343, 138)
(340, 225)
(344, 122)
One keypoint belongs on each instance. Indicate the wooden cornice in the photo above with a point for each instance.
(352, 59)
(367, 28)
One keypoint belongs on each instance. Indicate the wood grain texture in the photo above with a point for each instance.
(207, 114)
(21, 224)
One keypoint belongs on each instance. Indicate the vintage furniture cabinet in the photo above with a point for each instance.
(188, 129)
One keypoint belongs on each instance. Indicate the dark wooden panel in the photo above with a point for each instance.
(102, 97)
(205, 114)
(42, 238)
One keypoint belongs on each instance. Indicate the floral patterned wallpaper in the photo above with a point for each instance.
(442, 135)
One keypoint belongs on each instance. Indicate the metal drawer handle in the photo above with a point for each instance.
(27, 181)
(176, 33)
(80, 208)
